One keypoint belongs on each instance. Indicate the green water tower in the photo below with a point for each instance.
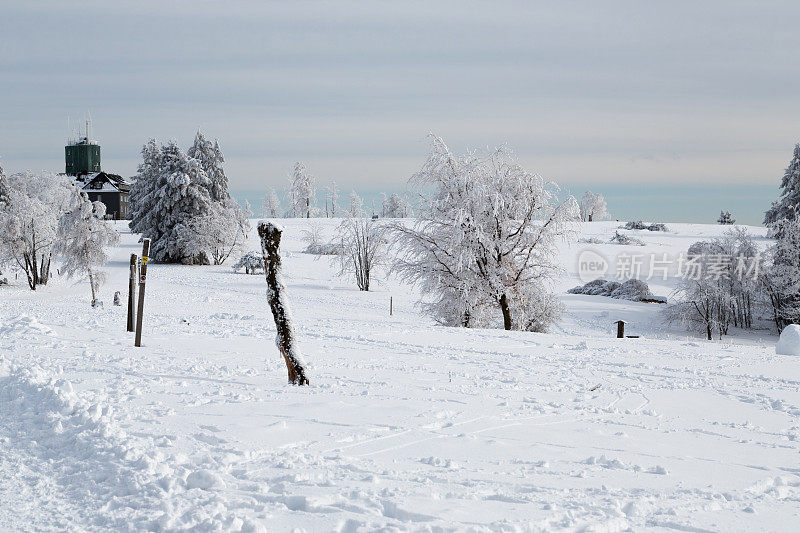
(82, 157)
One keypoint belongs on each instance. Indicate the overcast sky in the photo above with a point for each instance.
(594, 92)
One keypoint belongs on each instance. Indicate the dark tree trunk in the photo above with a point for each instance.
(270, 246)
(708, 331)
(506, 312)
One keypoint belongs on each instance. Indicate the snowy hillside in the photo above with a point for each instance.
(406, 425)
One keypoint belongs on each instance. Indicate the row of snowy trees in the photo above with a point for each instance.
(180, 200)
(746, 283)
(301, 197)
(43, 217)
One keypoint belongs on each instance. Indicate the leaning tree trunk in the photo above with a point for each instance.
(279, 304)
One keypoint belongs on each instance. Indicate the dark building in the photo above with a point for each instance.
(83, 161)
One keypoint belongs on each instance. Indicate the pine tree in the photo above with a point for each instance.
(182, 193)
(211, 159)
(788, 203)
(725, 218)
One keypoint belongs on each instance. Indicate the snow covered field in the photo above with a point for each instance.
(406, 425)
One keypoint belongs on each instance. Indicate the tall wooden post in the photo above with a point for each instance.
(390, 306)
(279, 304)
(142, 279)
(132, 293)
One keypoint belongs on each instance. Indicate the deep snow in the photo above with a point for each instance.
(406, 425)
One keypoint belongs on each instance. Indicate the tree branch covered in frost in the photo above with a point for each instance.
(593, 207)
(485, 241)
(83, 235)
(29, 212)
(362, 248)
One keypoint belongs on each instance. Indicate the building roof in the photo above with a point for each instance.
(103, 182)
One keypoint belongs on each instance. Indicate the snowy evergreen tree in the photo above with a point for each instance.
(362, 248)
(782, 280)
(396, 206)
(145, 188)
(172, 190)
(82, 237)
(593, 207)
(725, 218)
(302, 189)
(3, 185)
(271, 205)
(211, 160)
(788, 203)
(356, 208)
(484, 244)
(29, 214)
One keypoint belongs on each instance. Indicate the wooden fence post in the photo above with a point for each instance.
(390, 306)
(142, 279)
(132, 293)
(620, 328)
(279, 305)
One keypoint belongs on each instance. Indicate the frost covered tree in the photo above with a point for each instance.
(3, 185)
(484, 245)
(170, 190)
(782, 279)
(217, 234)
(209, 154)
(720, 284)
(182, 203)
(82, 237)
(788, 203)
(593, 207)
(362, 249)
(396, 206)
(29, 214)
(725, 218)
(271, 205)
(251, 262)
(302, 189)
(331, 200)
(356, 208)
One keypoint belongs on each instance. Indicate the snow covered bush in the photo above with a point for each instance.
(725, 218)
(251, 262)
(82, 237)
(591, 240)
(182, 203)
(634, 290)
(271, 205)
(396, 206)
(302, 189)
(312, 236)
(658, 226)
(362, 248)
(483, 246)
(29, 213)
(621, 238)
(787, 205)
(593, 207)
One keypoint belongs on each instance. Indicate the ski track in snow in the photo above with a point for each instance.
(406, 426)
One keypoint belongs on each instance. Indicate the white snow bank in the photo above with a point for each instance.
(789, 343)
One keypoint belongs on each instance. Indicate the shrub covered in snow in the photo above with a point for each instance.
(621, 238)
(633, 289)
(251, 262)
(593, 207)
(591, 240)
(658, 226)
(362, 247)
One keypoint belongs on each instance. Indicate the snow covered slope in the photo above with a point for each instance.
(406, 425)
